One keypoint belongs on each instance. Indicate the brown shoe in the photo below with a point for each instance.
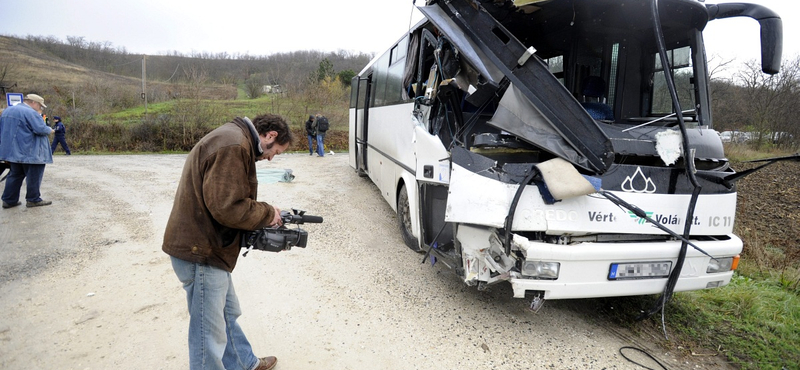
(39, 203)
(266, 363)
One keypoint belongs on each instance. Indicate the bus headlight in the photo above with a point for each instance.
(723, 264)
(541, 269)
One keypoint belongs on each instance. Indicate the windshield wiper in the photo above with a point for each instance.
(656, 120)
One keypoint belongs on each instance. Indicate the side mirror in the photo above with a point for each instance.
(771, 29)
(771, 45)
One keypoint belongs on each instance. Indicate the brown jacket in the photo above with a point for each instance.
(216, 198)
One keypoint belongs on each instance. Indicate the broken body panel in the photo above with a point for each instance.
(457, 120)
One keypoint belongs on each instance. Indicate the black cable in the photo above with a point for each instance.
(430, 247)
(513, 208)
(642, 351)
(669, 288)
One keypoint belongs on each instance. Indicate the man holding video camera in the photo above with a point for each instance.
(215, 201)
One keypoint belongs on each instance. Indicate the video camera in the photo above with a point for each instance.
(276, 239)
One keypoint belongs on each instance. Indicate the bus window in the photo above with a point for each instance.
(380, 79)
(683, 73)
(394, 82)
(556, 67)
(395, 90)
(612, 79)
(399, 51)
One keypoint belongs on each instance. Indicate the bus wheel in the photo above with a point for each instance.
(404, 220)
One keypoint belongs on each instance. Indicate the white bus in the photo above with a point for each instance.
(513, 142)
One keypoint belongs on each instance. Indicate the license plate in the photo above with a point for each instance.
(639, 270)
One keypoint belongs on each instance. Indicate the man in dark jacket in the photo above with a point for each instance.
(311, 132)
(216, 198)
(60, 136)
(321, 129)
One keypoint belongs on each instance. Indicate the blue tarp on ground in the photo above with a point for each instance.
(273, 175)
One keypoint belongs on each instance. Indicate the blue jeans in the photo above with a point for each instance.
(310, 144)
(320, 145)
(32, 174)
(215, 339)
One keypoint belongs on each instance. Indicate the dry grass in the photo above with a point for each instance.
(81, 93)
(741, 152)
(33, 70)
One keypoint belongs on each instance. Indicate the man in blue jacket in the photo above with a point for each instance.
(60, 137)
(25, 145)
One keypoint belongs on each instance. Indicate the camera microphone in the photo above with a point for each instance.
(299, 217)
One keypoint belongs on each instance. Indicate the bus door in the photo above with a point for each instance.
(364, 88)
(433, 179)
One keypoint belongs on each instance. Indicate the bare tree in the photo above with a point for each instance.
(770, 102)
(5, 72)
(254, 86)
(720, 66)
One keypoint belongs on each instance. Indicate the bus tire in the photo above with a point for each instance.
(404, 220)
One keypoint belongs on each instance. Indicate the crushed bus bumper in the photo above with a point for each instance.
(591, 269)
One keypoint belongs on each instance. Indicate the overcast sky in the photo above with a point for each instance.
(263, 27)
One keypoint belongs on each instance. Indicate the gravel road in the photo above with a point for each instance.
(84, 284)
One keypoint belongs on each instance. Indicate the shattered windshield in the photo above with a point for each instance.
(605, 53)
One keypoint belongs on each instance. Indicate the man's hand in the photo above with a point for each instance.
(276, 219)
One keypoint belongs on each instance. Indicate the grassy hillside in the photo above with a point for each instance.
(106, 112)
(32, 69)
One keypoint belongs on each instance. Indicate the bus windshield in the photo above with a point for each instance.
(609, 60)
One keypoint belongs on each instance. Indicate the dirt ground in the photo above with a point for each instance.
(768, 209)
(84, 284)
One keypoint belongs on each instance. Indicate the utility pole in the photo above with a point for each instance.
(144, 83)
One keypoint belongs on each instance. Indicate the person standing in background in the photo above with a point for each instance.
(311, 132)
(322, 125)
(24, 145)
(60, 136)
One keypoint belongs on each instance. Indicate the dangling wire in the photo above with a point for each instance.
(688, 158)
(173, 73)
(411, 14)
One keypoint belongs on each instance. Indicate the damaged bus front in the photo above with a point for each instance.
(545, 143)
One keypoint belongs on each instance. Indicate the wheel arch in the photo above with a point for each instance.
(410, 183)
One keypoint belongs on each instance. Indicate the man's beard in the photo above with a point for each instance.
(264, 152)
